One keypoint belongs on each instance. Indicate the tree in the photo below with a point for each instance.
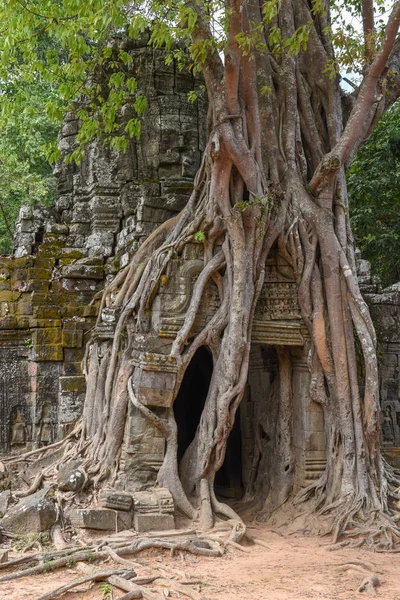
(273, 172)
(26, 175)
(373, 184)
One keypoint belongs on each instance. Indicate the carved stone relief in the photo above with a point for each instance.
(15, 411)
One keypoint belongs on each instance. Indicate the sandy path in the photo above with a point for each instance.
(293, 568)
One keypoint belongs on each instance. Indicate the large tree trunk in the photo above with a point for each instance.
(273, 172)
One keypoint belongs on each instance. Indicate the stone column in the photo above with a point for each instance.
(309, 430)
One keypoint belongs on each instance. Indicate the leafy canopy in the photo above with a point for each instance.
(62, 43)
(25, 174)
(374, 191)
(52, 51)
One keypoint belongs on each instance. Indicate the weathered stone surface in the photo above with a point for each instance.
(33, 514)
(105, 207)
(70, 478)
(102, 519)
(5, 501)
(153, 510)
(79, 271)
(114, 499)
(153, 522)
(93, 518)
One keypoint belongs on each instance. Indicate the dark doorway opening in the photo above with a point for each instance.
(191, 398)
(228, 480)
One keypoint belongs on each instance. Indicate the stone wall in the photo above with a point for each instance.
(64, 255)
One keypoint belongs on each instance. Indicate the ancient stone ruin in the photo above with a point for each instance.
(49, 301)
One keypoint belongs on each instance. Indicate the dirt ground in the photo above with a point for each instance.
(291, 568)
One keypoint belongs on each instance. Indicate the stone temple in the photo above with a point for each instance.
(64, 256)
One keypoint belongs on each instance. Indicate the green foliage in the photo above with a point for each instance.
(200, 237)
(26, 176)
(53, 52)
(106, 590)
(47, 565)
(62, 44)
(374, 193)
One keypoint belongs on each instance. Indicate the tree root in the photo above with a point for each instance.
(369, 584)
(359, 563)
(257, 541)
(51, 561)
(32, 489)
(355, 521)
(131, 595)
(101, 576)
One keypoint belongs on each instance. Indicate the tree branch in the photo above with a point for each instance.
(360, 117)
(369, 27)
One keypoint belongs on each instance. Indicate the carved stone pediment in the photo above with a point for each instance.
(277, 317)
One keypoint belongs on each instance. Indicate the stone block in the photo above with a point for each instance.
(37, 285)
(70, 478)
(157, 501)
(71, 368)
(70, 406)
(69, 128)
(23, 251)
(101, 250)
(81, 212)
(115, 500)
(79, 271)
(39, 273)
(25, 305)
(48, 352)
(102, 519)
(9, 296)
(124, 520)
(93, 518)
(72, 355)
(25, 239)
(155, 388)
(46, 312)
(5, 501)
(73, 253)
(154, 379)
(73, 384)
(315, 440)
(80, 229)
(90, 311)
(153, 522)
(32, 514)
(45, 323)
(72, 339)
(43, 262)
(47, 336)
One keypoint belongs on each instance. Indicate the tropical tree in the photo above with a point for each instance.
(273, 172)
(373, 182)
(25, 132)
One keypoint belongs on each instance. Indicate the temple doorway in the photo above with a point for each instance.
(228, 480)
(252, 428)
(254, 421)
(191, 398)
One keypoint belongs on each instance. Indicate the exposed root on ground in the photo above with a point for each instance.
(116, 549)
